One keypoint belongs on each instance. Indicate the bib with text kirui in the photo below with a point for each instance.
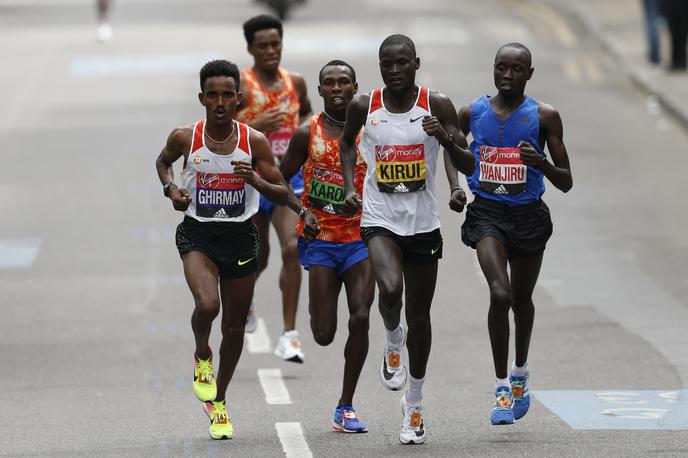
(400, 168)
(326, 191)
(501, 170)
(219, 195)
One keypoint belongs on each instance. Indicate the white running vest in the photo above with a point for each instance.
(216, 193)
(399, 188)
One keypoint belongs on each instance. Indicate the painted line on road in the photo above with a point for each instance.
(275, 390)
(150, 64)
(18, 253)
(292, 439)
(259, 341)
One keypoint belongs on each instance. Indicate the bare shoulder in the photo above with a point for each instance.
(360, 103)
(180, 138)
(549, 116)
(441, 103)
(257, 138)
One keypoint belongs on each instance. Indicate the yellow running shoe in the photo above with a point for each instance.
(220, 426)
(204, 381)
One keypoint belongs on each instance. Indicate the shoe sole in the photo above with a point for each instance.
(340, 429)
(223, 438)
(412, 441)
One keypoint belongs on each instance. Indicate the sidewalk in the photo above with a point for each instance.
(618, 26)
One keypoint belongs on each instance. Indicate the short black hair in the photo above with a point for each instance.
(398, 39)
(518, 46)
(258, 23)
(220, 68)
(337, 62)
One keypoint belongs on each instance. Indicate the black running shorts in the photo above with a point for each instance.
(232, 246)
(422, 248)
(524, 229)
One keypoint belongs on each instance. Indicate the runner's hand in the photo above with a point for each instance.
(352, 202)
(243, 169)
(433, 127)
(311, 225)
(180, 198)
(457, 201)
(269, 121)
(529, 155)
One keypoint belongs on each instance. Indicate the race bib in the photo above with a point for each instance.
(219, 195)
(400, 168)
(502, 171)
(279, 142)
(326, 191)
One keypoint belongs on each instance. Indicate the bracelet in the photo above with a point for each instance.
(302, 211)
(455, 188)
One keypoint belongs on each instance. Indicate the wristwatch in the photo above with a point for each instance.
(302, 211)
(166, 188)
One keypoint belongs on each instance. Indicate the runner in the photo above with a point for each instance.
(275, 102)
(404, 127)
(507, 222)
(330, 244)
(104, 30)
(216, 240)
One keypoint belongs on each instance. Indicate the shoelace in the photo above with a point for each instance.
(205, 370)
(349, 414)
(503, 400)
(219, 412)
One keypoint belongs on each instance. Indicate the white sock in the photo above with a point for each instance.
(519, 371)
(415, 392)
(396, 336)
(502, 382)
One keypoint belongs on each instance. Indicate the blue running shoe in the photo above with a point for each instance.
(519, 390)
(503, 413)
(345, 421)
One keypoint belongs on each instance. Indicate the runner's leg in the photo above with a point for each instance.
(236, 300)
(385, 259)
(492, 256)
(524, 274)
(201, 276)
(285, 221)
(324, 286)
(420, 280)
(262, 222)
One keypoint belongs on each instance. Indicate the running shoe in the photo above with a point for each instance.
(413, 429)
(289, 347)
(393, 372)
(519, 389)
(251, 320)
(345, 421)
(220, 426)
(204, 381)
(503, 413)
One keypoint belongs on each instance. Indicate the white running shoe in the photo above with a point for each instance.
(413, 429)
(104, 32)
(289, 347)
(393, 373)
(251, 320)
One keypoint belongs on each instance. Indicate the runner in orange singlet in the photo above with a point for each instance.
(330, 246)
(275, 102)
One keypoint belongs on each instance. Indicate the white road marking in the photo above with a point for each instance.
(18, 253)
(292, 439)
(273, 386)
(259, 341)
(151, 64)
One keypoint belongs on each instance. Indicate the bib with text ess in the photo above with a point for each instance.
(400, 168)
(502, 171)
(219, 195)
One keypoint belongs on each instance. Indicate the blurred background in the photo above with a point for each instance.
(95, 341)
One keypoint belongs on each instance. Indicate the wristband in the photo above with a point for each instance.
(302, 211)
(455, 188)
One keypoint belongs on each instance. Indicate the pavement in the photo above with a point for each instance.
(618, 26)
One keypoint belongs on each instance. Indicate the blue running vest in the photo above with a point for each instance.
(499, 173)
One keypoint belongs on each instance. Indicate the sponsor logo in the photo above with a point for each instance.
(374, 121)
(241, 263)
(415, 119)
(197, 160)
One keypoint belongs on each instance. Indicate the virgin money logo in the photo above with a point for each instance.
(488, 154)
(209, 180)
(386, 153)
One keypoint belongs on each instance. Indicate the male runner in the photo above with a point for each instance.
(404, 127)
(275, 102)
(508, 223)
(330, 244)
(217, 240)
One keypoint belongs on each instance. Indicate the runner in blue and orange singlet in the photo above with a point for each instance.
(275, 102)
(330, 245)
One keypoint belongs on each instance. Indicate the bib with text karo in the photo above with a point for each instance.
(324, 186)
(217, 194)
(258, 100)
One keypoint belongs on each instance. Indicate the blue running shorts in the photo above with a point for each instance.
(338, 256)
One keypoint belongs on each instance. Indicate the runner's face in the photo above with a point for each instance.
(220, 98)
(266, 49)
(337, 88)
(512, 71)
(398, 67)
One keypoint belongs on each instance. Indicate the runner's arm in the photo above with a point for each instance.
(559, 172)
(177, 143)
(356, 114)
(268, 180)
(293, 160)
(447, 132)
(305, 110)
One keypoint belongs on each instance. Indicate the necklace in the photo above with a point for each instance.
(336, 122)
(218, 142)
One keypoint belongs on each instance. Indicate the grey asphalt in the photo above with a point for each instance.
(95, 341)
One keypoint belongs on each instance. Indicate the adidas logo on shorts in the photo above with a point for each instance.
(220, 213)
(329, 208)
(501, 190)
(401, 188)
